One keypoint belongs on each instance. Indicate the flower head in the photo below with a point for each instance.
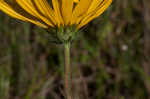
(55, 13)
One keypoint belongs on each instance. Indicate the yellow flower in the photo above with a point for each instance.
(55, 13)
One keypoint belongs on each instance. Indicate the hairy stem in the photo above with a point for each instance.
(67, 71)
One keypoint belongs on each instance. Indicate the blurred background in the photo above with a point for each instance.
(110, 57)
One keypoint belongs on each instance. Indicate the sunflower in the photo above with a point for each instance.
(55, 13)
(61, 18)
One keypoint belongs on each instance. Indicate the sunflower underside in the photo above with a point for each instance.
(55, 13)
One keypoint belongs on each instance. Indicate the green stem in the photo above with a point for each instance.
(67, 71)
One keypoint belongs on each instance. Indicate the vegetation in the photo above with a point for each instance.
(110, 57)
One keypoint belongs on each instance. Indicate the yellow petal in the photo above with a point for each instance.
(94, 5)
(105, 4)
(76, 1)
(8, 10)
(45, 9)
(80, 9)
(67, 6)
(58, 16)
(31, 9)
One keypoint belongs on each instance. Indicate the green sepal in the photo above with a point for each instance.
(62, 34)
